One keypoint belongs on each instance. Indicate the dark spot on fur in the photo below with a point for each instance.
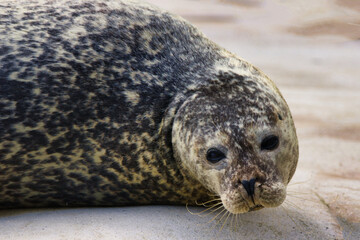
(5, 50)
(13, 186)
(34, 140)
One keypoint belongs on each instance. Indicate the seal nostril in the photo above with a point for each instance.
(249, 186)
(252, 186)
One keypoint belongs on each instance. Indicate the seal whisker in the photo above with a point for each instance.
(300, 210)
(212, 211)
(221, 218)
(204, 204)
(297, 225)
(203, 211)
(292, 204)
(233, 227)
(228, 214)
(237, 221)
(298, 193)
(297, 183)
(286, 212)
(305, 199)
(213, 205)
(217, 215)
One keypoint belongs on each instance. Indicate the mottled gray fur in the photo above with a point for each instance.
(116, 103)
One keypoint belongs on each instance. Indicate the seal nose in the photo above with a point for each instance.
(249, 187)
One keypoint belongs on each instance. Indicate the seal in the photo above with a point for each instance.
(110, 103)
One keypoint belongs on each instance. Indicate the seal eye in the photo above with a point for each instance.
(270, 142)
(214, 155)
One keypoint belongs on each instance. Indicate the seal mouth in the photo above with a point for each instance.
(255, 208)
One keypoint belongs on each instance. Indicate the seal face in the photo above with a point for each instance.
(248, 131)
(107, 103)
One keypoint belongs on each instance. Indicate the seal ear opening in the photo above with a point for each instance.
(168, 117)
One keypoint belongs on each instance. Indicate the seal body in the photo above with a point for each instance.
(106, 103)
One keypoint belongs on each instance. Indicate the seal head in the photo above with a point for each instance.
(238, 139)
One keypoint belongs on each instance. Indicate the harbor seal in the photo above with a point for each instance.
(110, 103)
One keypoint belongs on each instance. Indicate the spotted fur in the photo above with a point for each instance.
(107, 103)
